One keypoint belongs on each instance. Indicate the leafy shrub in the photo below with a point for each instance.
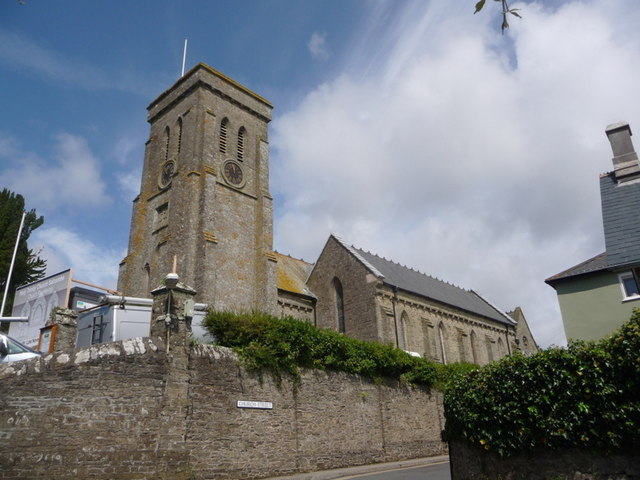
(585, 396)
(283, 345)
(452, 372)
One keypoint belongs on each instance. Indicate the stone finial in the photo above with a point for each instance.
(625, 159)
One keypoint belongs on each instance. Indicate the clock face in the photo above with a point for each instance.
(233, 173)
(167, 173)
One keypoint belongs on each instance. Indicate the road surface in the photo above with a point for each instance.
(435, 471)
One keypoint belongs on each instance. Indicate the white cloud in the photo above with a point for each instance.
(462, 155)
(129, 183)
(64, 248)
(318, 46)
(8, 147)
(126, 148)
(127, 152)
(71, 178)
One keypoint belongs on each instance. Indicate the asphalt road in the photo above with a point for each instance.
(428, 468)
(435, 471)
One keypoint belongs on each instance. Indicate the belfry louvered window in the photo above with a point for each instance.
(240, 148)
(224, 126)
(167, 136)
(179, 134)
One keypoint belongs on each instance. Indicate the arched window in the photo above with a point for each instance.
(337, 286)
(402, 334)
(240, 149)
(167, 136)
(500, 348)
(489, 350)
(474, 347)
(442, 336)
(462, 357)
(427, 341)
(179, 135)
(224, 128)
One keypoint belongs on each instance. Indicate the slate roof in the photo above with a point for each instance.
(594, 264)
(621, 220)
(410, 280)
(292, 274)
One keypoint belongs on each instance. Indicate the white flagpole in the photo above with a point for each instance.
(184, 56)
(13, 259)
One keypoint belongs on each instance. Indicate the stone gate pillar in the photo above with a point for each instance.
(65, 323)
(173, 305)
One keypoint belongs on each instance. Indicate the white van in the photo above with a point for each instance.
(12, 351)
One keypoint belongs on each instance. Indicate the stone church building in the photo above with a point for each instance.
(204, 201)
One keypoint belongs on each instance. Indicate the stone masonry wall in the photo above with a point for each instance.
(373, 311)
(465, 337)
(296, 306)
(129, 410)
(88, 415)
(359, 289)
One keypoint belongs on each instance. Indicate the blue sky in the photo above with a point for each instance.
(410, 128)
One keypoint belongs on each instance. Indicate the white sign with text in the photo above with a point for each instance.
(260, 405)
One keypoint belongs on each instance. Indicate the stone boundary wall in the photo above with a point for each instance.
(130, 410)
(469, 463)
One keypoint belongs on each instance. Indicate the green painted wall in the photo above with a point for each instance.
(592, 306)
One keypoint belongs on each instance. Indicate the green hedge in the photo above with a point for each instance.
(283, 345)
(585, 396)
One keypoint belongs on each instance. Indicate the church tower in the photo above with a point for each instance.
(204, 197)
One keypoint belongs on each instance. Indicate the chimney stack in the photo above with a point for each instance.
(625, 159)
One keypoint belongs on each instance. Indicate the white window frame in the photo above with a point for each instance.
(621, 278)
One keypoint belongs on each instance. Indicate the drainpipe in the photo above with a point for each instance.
(315, 314)
(395, 317)
(506, 333)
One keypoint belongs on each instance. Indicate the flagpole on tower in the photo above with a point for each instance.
(184, 56)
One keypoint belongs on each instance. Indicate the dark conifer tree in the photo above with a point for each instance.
(28, 266)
